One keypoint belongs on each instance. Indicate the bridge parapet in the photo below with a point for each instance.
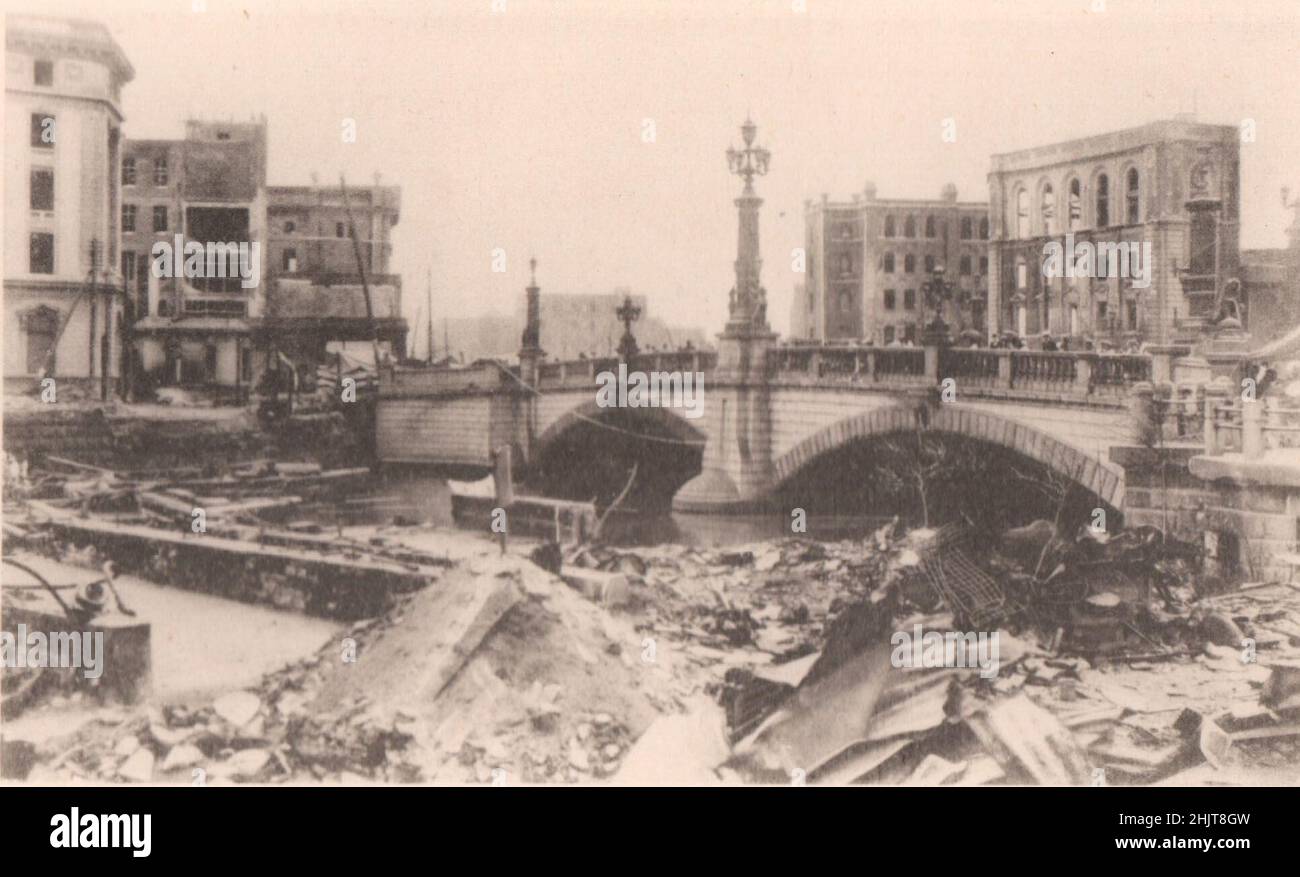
(482, 377)
(1250, 428)
(583, 372)
(1079, 376)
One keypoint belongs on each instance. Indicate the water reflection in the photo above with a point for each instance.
(413, 497)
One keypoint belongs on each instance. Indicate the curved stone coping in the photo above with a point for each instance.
(1278, 467)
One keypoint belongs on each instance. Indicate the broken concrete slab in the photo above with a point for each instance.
(1030, 742)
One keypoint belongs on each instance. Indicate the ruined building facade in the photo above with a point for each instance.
(1171, 184)
(209, 187)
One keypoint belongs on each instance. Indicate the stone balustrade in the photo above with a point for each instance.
(1062, 376)
(1000, 371)
(1251, 428)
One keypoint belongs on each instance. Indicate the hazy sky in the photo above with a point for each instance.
(524, 129)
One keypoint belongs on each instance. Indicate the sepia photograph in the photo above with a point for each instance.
(526, 393)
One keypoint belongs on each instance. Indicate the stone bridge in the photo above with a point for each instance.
(771, 410)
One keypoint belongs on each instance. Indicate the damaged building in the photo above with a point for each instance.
(315, 301)
(280, 278)
(210, 189)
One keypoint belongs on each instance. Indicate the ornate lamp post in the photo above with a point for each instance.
(629, 312)
(934, 293)
(747, 310)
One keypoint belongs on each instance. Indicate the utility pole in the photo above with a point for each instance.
(361, 269)
(429, 305)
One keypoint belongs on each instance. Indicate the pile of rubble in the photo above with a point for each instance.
(500, 673)
(775, 662)
(1096, 680)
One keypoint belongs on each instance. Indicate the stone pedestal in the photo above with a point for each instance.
(1225, 351)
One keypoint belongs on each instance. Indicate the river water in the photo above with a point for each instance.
(412, 496)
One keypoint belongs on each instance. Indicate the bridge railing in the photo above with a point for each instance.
(1034, 372)
(400, 381)
(849, 365)
(583, 372)
(1248, 427)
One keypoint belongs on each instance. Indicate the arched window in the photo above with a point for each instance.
(1074, 204)
(1131, 197)
(1047, 209)
(909, 263)
(1022, 214)
(889, 263)
(909, 227)
(929, 226)
(984, 229)
(1103, 201)
(967, 228)
(889, 226)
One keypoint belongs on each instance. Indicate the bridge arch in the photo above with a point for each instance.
(677, 428)
(955, 418)
(589, 451)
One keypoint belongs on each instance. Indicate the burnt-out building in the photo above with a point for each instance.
(1169, 188)
(193, 231)
(315, 300)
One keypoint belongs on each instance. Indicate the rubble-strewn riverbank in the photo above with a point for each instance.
(767, 663)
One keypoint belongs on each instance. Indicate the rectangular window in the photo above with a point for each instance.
(128, 172)
(42, 253)
(338, 230)
(891, 299)
(160, 218)
(44, 72)
(42, 131)
(909, 299)
(128, 266)
(290, 260)
(128, 217)
(965, 264)
(160, 172)
(42, 189)
(984, 264)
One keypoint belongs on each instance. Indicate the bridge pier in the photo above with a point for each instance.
(737, 472)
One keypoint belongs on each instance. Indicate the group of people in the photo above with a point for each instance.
(1050, 343)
